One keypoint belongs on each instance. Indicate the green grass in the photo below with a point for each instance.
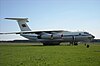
(29, 55)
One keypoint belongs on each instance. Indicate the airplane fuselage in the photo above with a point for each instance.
(63, 36)
(54, 37)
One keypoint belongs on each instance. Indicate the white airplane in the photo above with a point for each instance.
(54, 37)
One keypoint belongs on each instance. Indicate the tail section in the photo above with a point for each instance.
(22, 23)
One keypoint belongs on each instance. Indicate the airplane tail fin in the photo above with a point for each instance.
(22, 23)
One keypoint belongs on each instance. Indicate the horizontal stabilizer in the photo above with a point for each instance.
(18, 19)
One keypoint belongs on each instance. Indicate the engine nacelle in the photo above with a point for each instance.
(47, 36)
(57, 36)
(50, 36)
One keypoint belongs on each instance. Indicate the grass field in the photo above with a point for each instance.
(35, 55)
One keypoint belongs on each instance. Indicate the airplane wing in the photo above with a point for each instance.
(34, 32)
(12, 33)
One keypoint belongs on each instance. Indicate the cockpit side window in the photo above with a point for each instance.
(86, 33)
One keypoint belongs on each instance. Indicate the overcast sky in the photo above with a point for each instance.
(71, 15)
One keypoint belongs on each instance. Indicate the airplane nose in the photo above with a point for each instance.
(91, 37)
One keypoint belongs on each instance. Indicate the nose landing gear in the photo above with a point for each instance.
(87, 46)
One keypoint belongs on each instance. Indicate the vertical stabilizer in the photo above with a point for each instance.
(22, 23)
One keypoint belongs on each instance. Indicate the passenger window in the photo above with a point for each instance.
(79, 33)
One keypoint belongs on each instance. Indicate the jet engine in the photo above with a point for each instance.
(51, 36)
(46, 36)
(57, 36)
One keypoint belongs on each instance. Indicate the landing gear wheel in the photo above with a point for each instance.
(75, 43)
(87, 46)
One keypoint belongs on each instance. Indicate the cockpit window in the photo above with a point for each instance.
(86, 33)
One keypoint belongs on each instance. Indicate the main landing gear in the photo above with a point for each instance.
(51, 43)
(74, 43)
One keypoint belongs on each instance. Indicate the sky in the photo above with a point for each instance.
(70, 15)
